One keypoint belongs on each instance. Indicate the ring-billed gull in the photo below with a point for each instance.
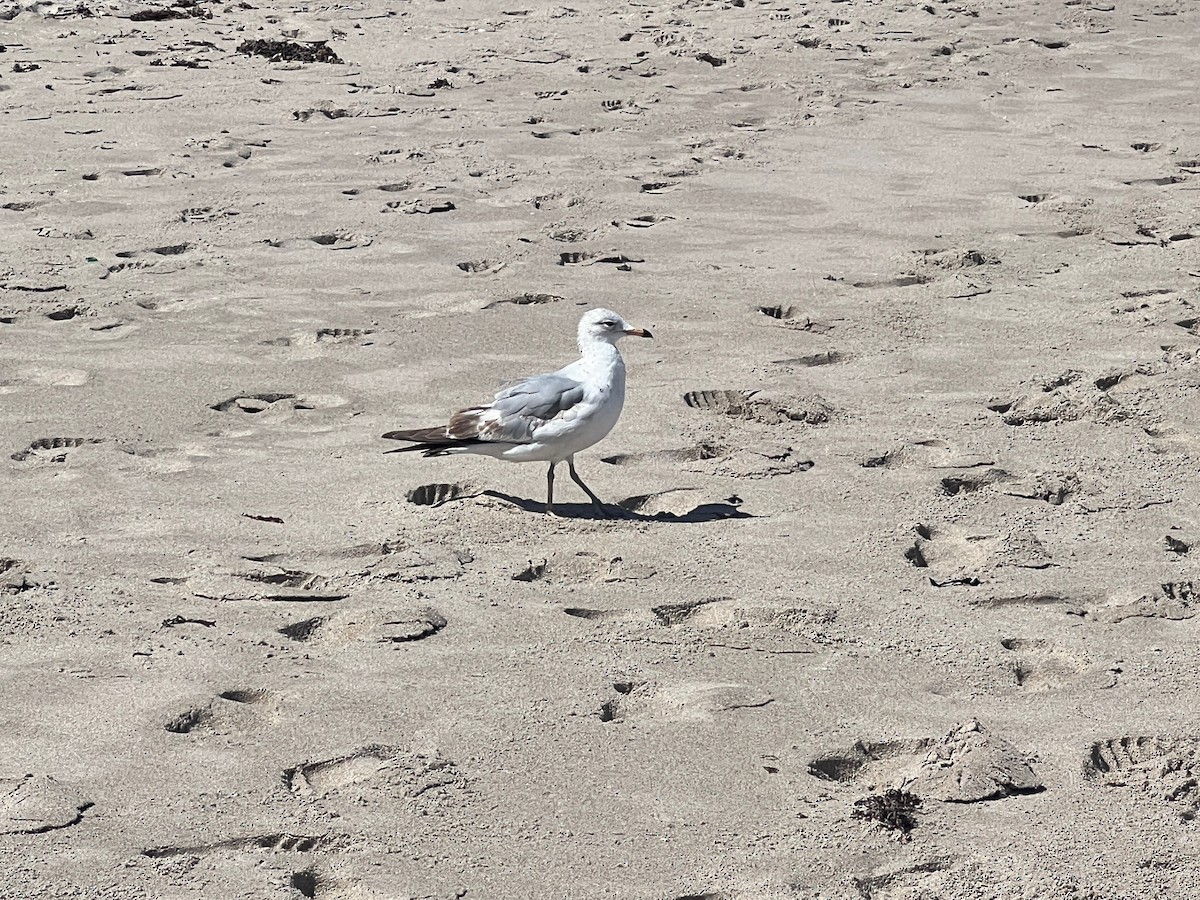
(546, 418)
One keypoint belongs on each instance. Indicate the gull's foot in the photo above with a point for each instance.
(608, 511)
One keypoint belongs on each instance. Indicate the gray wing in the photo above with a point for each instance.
(542, 396)
(519, 410)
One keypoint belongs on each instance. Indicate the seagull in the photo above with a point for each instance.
(545, 418)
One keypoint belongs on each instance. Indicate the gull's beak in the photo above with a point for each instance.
(639, 332)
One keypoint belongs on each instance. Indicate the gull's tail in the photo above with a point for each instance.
(430, 441)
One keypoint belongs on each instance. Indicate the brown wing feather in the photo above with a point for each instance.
(466, 426)
(419, 435)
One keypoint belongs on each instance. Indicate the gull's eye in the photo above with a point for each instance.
(608, 323)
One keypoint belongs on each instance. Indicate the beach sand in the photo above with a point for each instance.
(912, 459)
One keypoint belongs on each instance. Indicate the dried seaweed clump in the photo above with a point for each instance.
(894, 809)
(289, 51)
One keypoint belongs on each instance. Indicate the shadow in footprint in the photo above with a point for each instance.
(305, 882)
(305, 630)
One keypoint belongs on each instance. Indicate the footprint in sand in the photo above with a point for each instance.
(422, 206)
(277, 406)
(354, 784)
(968, 765)
(764, 626)
(1040, 665)
(584, 567)
(1172, 600)
(954, 258)
(765, 408)
(53, 450)
(207, 214)
(102, 451)
(397, 626)
(683, 702)
(1069, 396)
(311, 882)
(814, 360)
(902, 881)
(109, 330)
(325, 112)
(36, 804)
(787, 315)
(44, 376)
(233, 151)
(331, 240)
(568, 235)
(269, 583)
(526, 299)
(898, 281)
(646, 221)
(760, 626)
(359, 336)
(67, 313)
(959, 556)
(273, 842)
(555, 201)
(1164, 767)
(165, 250)
(322, 338)
(15, 576)
(584, 258)
(1054, 488)
(285, 577)
(156, 258)
(233, 710)
(438, 493)
(480, 266)
(701, 451)
(253, 403)
(973, 480)
(763, 461)
(658, 187)
(930, 454)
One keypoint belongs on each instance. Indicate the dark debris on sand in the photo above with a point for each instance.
(289, 51)
(894, 809)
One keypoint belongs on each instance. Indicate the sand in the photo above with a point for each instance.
(904, 606)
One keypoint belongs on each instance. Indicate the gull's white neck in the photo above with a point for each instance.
(601, 357)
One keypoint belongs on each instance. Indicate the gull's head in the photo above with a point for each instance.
(605, 325)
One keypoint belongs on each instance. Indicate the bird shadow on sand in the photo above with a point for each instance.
(627, 510)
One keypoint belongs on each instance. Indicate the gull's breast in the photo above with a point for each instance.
(581, 426)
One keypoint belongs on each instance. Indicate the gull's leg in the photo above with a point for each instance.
(550, 489)
(596, 501)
